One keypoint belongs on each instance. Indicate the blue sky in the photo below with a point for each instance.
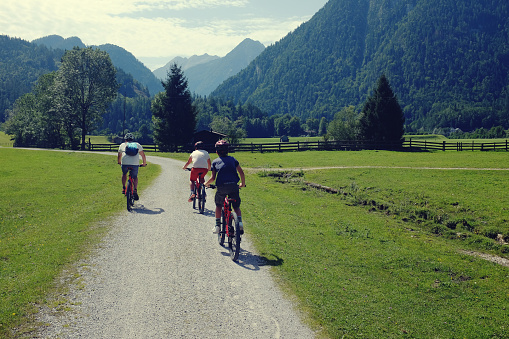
(155, 31)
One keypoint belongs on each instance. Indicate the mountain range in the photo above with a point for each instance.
(204, 73)
(446, 60)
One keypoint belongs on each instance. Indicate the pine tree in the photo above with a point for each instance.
(382, 118)
(174, 115)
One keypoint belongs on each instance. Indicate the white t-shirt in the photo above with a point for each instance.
(200, 158)
(129, 159)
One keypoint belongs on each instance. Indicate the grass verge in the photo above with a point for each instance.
(50, 208)
(371, 275)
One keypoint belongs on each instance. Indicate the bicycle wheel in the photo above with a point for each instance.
(129, 196)
(194, 199)
(201, 199)
(222, 231)
(234, 240)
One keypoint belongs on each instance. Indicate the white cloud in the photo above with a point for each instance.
(146, 28)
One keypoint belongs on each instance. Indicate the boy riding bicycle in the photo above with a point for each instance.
(225, 171)
(201, 165)
(129, 157)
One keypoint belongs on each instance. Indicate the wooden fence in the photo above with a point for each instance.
(407, 145)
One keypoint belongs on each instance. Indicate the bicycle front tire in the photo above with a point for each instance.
(222, 229)
(201, 199)
(234, 240)
(194, 199)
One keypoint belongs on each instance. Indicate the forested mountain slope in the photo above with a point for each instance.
(446, 60)
(21, 64)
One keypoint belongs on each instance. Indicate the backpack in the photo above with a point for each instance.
(131, 148)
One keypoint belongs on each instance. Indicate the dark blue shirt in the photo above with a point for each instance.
(226, 170)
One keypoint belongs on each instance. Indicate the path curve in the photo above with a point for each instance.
(160, 273)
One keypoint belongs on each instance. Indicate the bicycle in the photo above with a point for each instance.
(129, 191)
(199, 194)
(229, 228)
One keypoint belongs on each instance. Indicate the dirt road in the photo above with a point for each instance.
(160, 273)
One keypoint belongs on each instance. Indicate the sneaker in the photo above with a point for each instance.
(241, 227)
(216, 229)
(191, 197)
(135, 195)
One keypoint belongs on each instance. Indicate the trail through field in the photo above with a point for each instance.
(160, 273)
(260, 169)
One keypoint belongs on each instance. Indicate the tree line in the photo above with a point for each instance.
(67, 104)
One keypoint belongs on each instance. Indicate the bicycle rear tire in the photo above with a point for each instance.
(235, 239)
(222, 229)
(201, 199)
(129, 197)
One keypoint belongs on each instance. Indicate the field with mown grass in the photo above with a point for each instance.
(391, 254)
(385, 257)
(51, 208)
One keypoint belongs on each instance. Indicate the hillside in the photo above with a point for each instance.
(206, 77)
(21, 64)
(447, 61)
(58, 42)
(119, 56)
(185, 63)
(205, 73)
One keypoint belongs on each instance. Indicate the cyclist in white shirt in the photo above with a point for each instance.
(129, 157)
(201, 165)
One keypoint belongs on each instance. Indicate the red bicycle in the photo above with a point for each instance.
(129, 191)
(199, 193)
(229, 228)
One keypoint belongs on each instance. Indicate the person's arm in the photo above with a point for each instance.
(209, 165)
(242, 176)
(212, 178)
(119, 158)
(188, 162)
(144, 158)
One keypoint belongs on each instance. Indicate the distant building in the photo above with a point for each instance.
(209, 138)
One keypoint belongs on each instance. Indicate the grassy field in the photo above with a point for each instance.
(5, 140)
(384, 258)
(52, 205)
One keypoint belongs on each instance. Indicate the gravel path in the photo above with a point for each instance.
(160, 273)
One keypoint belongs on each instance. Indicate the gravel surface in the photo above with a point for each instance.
(160, 273)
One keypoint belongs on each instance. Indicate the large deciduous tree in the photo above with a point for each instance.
(173, 113)
(382, 118)
(84, 86)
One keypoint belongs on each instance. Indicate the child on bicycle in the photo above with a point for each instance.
(129, 157)
(201, 165)
(225, 171)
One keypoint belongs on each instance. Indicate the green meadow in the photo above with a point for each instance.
(388, 254)
(54, 207)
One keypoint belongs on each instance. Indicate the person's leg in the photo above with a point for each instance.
(124, 180)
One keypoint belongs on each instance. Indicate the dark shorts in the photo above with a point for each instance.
(232, 190)
(134, 171)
